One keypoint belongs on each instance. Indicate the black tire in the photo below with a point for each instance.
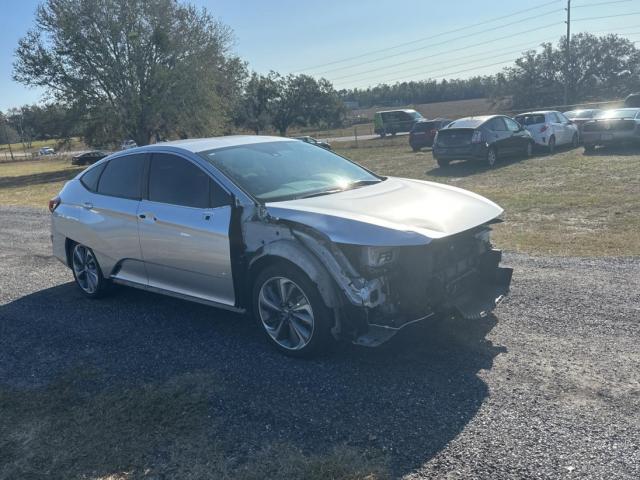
(90, 281)
(492, 156)
(575, 141)
(552, 144)
(589, 148)
(528, 150)
(415, 149)
(322, 316)
(442, 162)
(383, 134)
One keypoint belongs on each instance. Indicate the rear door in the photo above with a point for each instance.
(500, 135)
(559, 129)
(184, 230)
(112, 214)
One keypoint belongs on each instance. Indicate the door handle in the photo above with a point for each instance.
(149, 216)
(87, 205)
(207, 216)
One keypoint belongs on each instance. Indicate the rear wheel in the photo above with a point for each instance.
(575, 141)
(415, 149)
(492, 156)
(552, 145)
(290, 310)
(442, 162)
(589, 148)
(87, 272)
(528, 149)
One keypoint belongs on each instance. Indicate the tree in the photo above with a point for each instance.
(303, 101)
(134, 68)
(256, 107)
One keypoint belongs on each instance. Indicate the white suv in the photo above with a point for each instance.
(550, 129)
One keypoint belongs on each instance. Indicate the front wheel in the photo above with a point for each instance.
(87, 272)
(552, 145)
(442, 162)
(589, 148)
(575, 141)
(290, 310)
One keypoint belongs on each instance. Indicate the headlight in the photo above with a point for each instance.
(374, 257)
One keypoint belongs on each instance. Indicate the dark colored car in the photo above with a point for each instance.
(313, 141)
(619, 126)
(632, 101)
(88, 158)
(580, 117)
(423, 132)
(485, 138)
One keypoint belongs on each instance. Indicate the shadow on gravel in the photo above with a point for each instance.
(139, 382)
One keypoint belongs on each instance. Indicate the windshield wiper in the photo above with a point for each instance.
(362, 183)
(356, 184)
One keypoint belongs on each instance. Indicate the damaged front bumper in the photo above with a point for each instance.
(472, 295)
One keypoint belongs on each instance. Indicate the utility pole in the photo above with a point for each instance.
(568, 56)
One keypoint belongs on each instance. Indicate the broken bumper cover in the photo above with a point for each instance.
(472, 297)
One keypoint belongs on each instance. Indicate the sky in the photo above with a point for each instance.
(391, 41)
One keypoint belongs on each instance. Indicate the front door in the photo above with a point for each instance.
(184, 230)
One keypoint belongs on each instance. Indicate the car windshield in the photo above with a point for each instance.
(530, 119)
(277, 171)
(619, 113)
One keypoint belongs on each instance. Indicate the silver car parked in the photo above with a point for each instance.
(314, 245)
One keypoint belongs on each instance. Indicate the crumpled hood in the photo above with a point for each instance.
(394, 212)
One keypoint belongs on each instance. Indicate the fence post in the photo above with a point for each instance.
(355, 133)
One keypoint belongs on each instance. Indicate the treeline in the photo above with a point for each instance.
(600, 67)
(150, 70)
(421, 91)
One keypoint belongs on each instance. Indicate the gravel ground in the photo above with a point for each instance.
(548, 388)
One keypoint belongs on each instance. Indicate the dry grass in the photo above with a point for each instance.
(34, 182)
(154, 430)
(565, 204)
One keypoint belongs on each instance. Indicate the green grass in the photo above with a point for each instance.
(34, 182)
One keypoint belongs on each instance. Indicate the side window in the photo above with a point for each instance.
(555, 118)
(175, 180)
(512, 125)
(122, 177)
(562, 118)
(497, 125)
(219, 198)
(91, 177)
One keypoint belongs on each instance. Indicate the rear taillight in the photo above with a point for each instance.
(477, 137)
(54, 203)
(544, 128)
(433, 131)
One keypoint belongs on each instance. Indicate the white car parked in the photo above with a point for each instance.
(550, 129)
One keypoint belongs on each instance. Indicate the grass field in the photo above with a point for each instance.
(565, 204)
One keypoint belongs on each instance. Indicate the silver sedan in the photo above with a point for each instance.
(315, 246)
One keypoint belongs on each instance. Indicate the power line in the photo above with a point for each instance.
(607, 16)
(495, 39)
(430, 65)
(442, 43)
(597, 4)
(427, 38)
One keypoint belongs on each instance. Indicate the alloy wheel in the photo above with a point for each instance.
(491, 157)
(85, 268)
(286, 313)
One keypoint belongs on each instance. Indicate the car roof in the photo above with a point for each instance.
(397, 110)
(538, 112)
(196, 145)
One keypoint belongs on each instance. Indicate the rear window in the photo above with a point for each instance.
(530, 119)
(122, 177)
(466, 123)
(425, 126)
(91, 177)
